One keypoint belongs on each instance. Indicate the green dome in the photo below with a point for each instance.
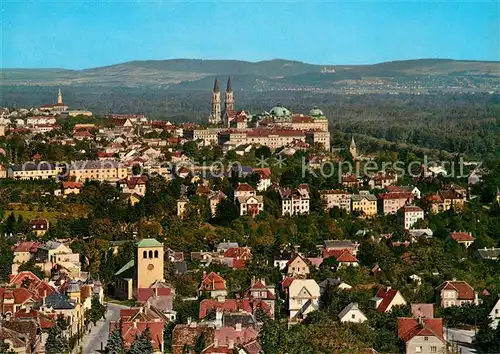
(280, 111)
(316, 113)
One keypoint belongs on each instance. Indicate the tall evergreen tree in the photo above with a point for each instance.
(115, 342)
(142, 343)
(56, 343)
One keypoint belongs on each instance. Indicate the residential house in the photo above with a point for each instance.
(303, 297)
(344, 257)
(332, 245)
(214, 285)
(134, 321)
(385, 299)
(214, 198)
(14, 299)
(364, 203)
(68, 187)
(351, 181)
(265, 178)
(333, 283)
(392, 202)
(444, 200)
(221, 307)
(38, 288)
(422, 335)
(382, 180)
(39, 226)
(259, 290)
(159, 296)
(133, 184)
(494, 315)
(352, 313)
(404, 189)
(21, 335)
(456, 293)
(489, 253)
(250, 203)
(463, 238)
(59, 304)
(25, 251)
(336, 199)
(294, 201)
(237, 257)
(297, 266)
(408, 215)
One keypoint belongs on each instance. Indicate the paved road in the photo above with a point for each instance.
(461, 339)
(91, 343)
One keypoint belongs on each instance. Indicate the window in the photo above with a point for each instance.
(144, 254)
(418, 350)
(150, 254)
(433, 349)
(156, 254)
(353, 316)
(426, 338)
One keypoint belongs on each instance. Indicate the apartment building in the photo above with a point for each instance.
(336, 199)
(295, 201)
(105, 170)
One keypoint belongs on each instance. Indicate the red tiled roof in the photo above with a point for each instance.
(463, 289)
(82, 133)
(72, 185)
(410, 208)
(302, 119)
(29, 246)
(462, 236)
(263, 172)
(349, 179)
(341, 255)
(133, 181)
(232, 305)
(212, 281)
(404, 196)
(285, 283)
(238, 253)
(143, 294)
(410, 327)
(131, 329)
(102, 154)
(45, 321)
(244, 187)
(387, 296)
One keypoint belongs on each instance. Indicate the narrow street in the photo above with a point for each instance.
(98, 336)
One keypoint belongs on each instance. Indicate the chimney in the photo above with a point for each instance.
(237, 327)
(189, 320)
(230, 345)
(253, 281)
(204, 274)
(134, 323)
(216, 343)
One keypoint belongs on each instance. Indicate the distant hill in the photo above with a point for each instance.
(277, 74)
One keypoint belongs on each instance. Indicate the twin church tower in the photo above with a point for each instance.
(216, 115)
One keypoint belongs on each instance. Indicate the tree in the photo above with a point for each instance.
(56, 343)
(6, 258)
(200, 344)
(142, 343)
(30, 266)
(115, 342)
(97, 310)
(5, 348)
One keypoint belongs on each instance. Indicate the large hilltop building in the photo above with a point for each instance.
(277, 128)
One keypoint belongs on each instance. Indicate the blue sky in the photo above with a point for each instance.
(84, 34)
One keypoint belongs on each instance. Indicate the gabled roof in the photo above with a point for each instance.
(351, 307)
(409, 328)
(387, 295)
(212, 281)
(244, 187)
(463, 289)
(29, 246)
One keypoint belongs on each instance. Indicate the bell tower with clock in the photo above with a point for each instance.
(149, 262)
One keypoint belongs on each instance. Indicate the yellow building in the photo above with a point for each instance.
(105, 170)
(365, 203)
(33, 170)
(141, 272)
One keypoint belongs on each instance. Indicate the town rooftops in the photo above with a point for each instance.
(410, 209)
(367, 196)
(387, 295)
(28, 246)
(244, 187)
(56, 301)
(94, 164)
(405, 196)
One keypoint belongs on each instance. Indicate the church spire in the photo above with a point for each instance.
(229, 97)
(215, 115)
(59, 97)
(216, 85)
